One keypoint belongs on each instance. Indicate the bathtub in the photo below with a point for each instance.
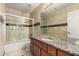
(17, 46)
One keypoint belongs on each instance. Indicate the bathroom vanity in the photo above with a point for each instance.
(41, 47)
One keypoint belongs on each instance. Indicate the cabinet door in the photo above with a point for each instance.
(73, 24)
(52, 51)
(43, 46)
(36, 51)
(61, 53)
(44, 53)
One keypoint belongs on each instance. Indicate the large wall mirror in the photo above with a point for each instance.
(54, 21)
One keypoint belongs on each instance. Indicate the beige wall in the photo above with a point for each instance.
(2, 9)
(1, 39)
(36, 13)
(1, 33)
(58, 18)
(36, 16)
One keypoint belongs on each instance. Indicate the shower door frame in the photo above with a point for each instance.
(8, 14)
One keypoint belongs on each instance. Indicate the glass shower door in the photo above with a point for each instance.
(16, 29)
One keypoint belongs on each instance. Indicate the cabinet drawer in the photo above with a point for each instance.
(62, 53)
(52, 50)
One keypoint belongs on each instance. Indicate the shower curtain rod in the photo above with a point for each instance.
(18, 16)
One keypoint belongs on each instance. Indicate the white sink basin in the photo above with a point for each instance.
(46, 39)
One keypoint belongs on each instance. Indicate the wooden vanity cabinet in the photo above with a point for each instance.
(39, 48)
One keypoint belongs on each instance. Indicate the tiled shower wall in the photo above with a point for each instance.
(17, 34)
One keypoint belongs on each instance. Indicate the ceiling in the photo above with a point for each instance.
(23, 7)
(54, 8)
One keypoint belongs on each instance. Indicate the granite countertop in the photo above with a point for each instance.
(61, 44)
